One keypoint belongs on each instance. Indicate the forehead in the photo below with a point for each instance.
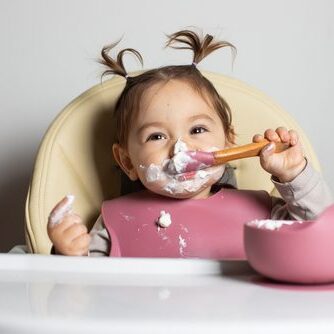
(175, 96)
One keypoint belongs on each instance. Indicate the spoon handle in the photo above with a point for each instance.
(245, 151)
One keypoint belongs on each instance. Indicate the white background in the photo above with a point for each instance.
(49, 51)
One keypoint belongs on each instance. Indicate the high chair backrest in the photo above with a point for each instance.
(75, 155)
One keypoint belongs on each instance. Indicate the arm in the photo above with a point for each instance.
(304, 192)
(100, 241)
(303, 198)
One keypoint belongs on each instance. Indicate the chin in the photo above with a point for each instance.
(182, 192)
(184, 195)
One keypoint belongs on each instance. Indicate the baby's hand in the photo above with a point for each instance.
(285, 165)
(66, 231)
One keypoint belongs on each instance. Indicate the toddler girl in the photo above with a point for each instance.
(159, 114)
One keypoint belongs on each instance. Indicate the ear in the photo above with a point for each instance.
(122, 157)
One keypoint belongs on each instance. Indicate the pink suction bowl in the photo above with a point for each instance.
(297, 253)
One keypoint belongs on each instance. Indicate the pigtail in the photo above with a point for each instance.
(116, 67)
(200, 46)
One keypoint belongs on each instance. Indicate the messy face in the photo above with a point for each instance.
(172, 118)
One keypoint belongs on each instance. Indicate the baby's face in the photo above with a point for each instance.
(174, 113)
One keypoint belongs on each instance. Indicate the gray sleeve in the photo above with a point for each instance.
(304, 198)
(100, 242)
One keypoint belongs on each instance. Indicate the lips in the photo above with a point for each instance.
(186, 176)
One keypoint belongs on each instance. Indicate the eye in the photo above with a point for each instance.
(156, 136)
(198, 129)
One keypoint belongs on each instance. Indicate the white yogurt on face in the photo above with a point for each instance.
(166, 179)
(174, 186)
(179, 162)
(202, 174)
(180, 159)
(269, 224)
(180, 146)
(154, 173)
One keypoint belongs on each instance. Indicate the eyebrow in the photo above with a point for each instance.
(161, 124)
(148, 125)
(201, 116)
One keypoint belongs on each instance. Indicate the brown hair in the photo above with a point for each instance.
(128, 103)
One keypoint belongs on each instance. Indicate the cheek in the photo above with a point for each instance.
(212, 142)
(220, 137)
(145, 156)
(221, 141)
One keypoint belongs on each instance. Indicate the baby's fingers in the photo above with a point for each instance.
(74, 231)
(290, 137)
(283, 134)
(272, 135)
(278, 135)
(80, 245)
(67, 221)
(61, 209)
(70, 238)
(294, 138)
(257, 138)
(60, 234)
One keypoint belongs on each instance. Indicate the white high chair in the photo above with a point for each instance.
(75, 155)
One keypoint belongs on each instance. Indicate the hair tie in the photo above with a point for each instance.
(194, 64)
(126, 76)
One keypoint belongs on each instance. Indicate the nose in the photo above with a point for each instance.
(178, 146)
(171, 151)
(172, 148)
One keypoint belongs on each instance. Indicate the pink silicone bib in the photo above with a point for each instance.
(204, 228)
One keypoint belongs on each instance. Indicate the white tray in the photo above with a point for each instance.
(55, 294)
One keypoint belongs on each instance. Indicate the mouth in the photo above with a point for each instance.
(186, 176)
(191, 175)
(187, 161)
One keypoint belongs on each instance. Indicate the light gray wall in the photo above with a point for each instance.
(48, 52)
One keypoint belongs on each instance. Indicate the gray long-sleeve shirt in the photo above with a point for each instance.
(303, 198)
